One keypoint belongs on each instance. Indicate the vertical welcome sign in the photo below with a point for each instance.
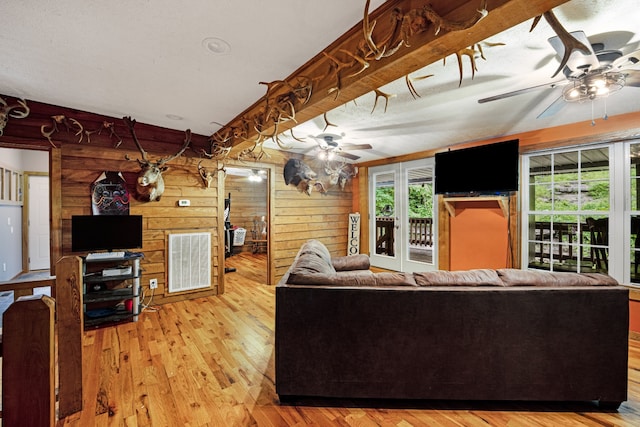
(353, 246)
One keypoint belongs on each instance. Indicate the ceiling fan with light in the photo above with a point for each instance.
(329, 148)
(591, 72)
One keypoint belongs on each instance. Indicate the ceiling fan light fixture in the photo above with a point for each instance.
(592, 87)
(573, 93)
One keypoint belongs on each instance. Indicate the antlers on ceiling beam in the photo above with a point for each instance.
(283, 98)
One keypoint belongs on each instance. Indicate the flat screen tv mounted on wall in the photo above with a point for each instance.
(105, 232)
(483, 170)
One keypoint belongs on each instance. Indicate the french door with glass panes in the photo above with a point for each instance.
(402, 224)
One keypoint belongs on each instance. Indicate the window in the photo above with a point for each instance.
(11, 191)
(581, 210)
(633, 212)
(569, 210)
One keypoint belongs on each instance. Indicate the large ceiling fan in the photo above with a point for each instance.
(329, 147)
(591, 72)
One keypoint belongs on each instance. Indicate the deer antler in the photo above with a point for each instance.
(130, 124)
(327, 123)
(6, 112)
(336, 68)
(380, 50)
(381, 94)
(112, 132)
(61, 119)
(569, 42)
(412, 89)
(187, 140)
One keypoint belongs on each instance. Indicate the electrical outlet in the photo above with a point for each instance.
(153, 283)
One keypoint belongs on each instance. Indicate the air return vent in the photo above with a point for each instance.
(189, 261)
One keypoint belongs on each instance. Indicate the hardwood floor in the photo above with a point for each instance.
(210, 362)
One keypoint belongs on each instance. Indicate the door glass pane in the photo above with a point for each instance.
(635, 249)
(420, 214)
(385, 188)
(634, 218)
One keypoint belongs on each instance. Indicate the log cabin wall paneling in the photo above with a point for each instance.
(294, 218)
(82, 164)
(299, 217)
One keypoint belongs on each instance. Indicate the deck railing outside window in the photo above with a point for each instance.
(420, 234)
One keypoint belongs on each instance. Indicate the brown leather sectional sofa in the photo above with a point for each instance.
(507, 334)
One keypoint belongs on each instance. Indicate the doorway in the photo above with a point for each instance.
(16, 247)
(248, 191)
(403, 230)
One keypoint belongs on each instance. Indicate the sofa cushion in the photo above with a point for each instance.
(309, 263)
(516, 277)
(351, 262)
(316, 247)
(395, 279)
(343, 278)
(478, 277)
(354, 278)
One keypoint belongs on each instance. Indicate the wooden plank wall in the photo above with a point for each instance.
(75, 164)
(299, 217)
(83, 164)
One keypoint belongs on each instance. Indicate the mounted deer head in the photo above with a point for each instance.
(340, 174)
(150, 184)
(6, 112)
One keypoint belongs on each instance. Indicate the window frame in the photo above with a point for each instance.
(619, 213)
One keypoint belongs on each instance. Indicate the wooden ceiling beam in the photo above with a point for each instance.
(330, 91)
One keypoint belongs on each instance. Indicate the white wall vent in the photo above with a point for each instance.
(189, 261)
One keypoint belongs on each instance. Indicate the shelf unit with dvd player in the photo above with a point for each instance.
(108, 283)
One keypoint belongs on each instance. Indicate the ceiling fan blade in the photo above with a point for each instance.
(347, 155)
(579, 62)
(521, 91)
(632, 78)
(555, 106)
(350, 146)
(306, 150)
(628, 59)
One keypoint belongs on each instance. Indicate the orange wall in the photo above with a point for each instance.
(634, 316)
(478, 236)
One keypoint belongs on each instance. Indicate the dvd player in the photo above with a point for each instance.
(122, 271)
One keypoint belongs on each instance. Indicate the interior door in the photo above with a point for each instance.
(38, 225)
(403, 225)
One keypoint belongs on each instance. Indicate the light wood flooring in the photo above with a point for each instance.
(210, 362)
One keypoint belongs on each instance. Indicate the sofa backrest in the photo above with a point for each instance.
(314, 265)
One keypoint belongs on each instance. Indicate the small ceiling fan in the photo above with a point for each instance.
(329, 147)
(588, 75)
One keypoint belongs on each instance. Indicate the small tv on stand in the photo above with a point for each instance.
(91, 233)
